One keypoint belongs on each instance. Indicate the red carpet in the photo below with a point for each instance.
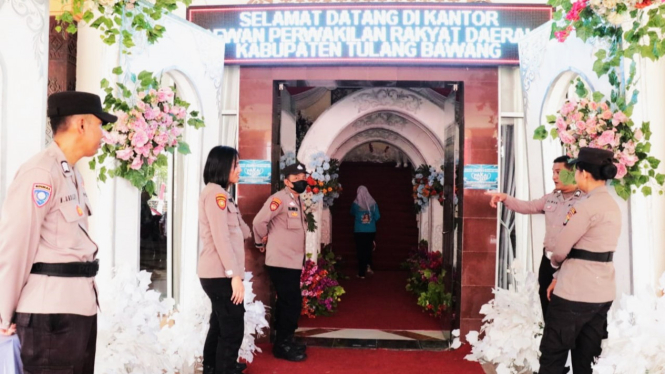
(378, 302)
(365, 361)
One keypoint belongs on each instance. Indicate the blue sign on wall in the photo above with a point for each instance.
(255, 172)
(481, 177)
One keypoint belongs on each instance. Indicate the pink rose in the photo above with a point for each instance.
(566, 138)
(107, 138)
(151, 160)
(141, 105)
(162, 138)
(593, 105)
(581, 126)
(124, 154)
(607, 114)
(181, 113)
(140, 138)
(639, 135)
(561, 124)
(606, 138)
(567, 108)
(603, 106)
(144, 150)
(629, 147)
(137, 163)
(141, 95)
(628, 159)
(618, 118)
(578, 116)
(621, 170)
(121, 125)
(151, 113)
(167, 121)
(158, 150)
(584, 102)
(175, 132)
(583, 143)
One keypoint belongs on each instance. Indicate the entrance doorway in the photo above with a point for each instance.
(339, 118)
(397, 230)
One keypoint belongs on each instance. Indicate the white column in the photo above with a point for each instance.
(24, 28)
(114, 224)
(648, 213)
(436, 227)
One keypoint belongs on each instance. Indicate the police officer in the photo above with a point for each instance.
(222, 262)
(279, 230)
(584, 286)
(554, 205)
(47, 258)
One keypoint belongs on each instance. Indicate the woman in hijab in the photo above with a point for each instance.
(366, 213)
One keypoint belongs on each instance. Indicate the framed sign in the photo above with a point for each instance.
(254, 172)
(481, 177)
(435, 34)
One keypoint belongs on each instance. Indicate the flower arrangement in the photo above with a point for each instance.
(636, 335)
(594, 123)
(319, 284)
(138, 333)
(324, 180)
(512, 329)
(322, 184)
(107, 16)
(148, 126)
(426, 279)
(427, 184)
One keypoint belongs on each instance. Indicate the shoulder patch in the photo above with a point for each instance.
(221, 201)
(274, 204)
(41, 194)
(569, 215)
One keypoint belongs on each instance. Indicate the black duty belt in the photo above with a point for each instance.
(67, 269)
(581, 254)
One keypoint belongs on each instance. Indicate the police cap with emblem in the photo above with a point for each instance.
(594, 156)
(69, 103)
(294, 169)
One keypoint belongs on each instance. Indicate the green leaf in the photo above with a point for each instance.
(554, 133)
(104, 83)
(195, 113)
(150, 187)
(58, 28)
(614, 79)
(622, 191)
(581, 90)
(597, 96)
(660, 179)
(628, 111)
(93, 164)
(654, 162)
(646, 191)
(183, 148)
(88, 16)
(117, 70)
(102, 174)
(646, 130)
(540, 133)
(567, 177)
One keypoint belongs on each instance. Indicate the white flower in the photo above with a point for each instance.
(326, 166)
(616, 18)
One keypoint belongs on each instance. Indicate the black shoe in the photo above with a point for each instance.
(291, 340)
(207, 369)
(241, 366)
(288, 352)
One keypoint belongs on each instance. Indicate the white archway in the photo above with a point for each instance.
(397, 116)
(545, 66)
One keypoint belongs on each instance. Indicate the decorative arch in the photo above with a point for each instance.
(405, 103)
(398, 116)
(546, 67)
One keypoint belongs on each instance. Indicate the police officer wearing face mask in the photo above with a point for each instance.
(279, 230)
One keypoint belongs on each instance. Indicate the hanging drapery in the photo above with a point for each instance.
(507, 217)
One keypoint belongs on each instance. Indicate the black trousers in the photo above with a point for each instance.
(545, 276)
(227, 325)
(572, 326)
(364, 246)
(57, 343)
(289, 300)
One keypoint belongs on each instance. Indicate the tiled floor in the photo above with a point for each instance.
(386, 339)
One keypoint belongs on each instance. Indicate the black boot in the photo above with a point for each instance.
(300, 347)
(207, 369)
(286, 351)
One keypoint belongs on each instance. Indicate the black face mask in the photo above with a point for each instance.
(299, 186)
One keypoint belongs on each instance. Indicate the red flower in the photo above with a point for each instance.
(643, 4)
(315, 190)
